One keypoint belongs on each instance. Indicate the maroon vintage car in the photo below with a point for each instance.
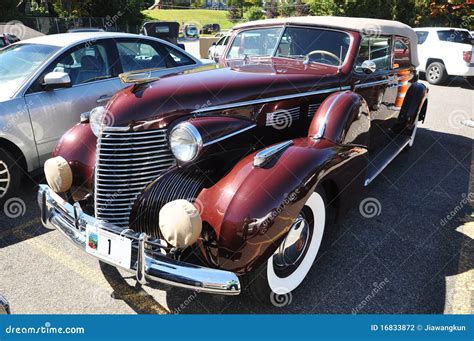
(211, 179)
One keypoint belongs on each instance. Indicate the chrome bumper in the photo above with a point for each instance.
(71, 221)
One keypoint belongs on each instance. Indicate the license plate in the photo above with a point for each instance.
(109, 246)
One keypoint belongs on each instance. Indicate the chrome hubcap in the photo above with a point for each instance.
(434, 73)
(4, 179)
(290, 253)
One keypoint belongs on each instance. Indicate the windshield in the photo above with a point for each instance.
(18, 62)
(257, 42)
(314, 45)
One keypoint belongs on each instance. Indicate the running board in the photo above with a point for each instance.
(380, 160)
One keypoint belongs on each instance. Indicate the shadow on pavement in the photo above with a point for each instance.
(394, 262)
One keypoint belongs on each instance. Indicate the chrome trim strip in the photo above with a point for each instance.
(369, 84)
(148, 265)
(386, 163)
(263, 156)
(229, 135)
(322, 128)
(269, 99)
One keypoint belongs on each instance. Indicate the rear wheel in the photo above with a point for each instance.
(10, 175)
(286, 269)
(436, 73)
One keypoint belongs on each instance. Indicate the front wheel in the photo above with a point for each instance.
(10, 175)
(286, 269)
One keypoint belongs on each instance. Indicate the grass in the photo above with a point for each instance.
(198, 17)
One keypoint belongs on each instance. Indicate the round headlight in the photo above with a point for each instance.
(185, 142)
(95, 119)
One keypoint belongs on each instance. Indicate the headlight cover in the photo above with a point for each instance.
(185, 142)
(96, 117)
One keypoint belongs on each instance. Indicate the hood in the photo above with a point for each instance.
(173, 96)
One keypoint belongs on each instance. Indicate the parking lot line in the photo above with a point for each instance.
(137, 299)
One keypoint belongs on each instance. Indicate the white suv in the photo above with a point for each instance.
(445, 52)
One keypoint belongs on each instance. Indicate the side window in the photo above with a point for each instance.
(221, 41)
(455, 36)
(422, 35)
(376, 49)
(85, 64)
(178, 58)
(401, 52)
(139, 56)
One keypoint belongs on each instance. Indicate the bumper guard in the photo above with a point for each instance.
(147, 265)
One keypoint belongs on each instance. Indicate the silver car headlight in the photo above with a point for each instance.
(96, 118)
(185, 142)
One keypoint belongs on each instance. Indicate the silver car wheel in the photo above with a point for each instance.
(5, 179)
(434, 73)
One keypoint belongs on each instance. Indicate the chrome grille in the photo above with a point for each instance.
(312, 109)
(127, 162)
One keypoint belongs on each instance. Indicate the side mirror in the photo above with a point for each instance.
(368, 66)
(214, 44)
(56, 80)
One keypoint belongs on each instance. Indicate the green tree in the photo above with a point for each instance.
(301, 8)
(272, 10)
(287, 9)
(254, 13)
(325, 7)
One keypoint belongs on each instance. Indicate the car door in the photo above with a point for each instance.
(93, 82)
(379, 88)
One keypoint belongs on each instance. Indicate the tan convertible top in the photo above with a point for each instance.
(367, 26)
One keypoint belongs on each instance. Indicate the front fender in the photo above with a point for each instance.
(78, 147)
(343, 118)
(251, 209)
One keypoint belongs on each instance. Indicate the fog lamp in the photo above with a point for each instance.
(58, 174)
(180, 223)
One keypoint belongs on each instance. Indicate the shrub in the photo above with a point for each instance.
(254, 13)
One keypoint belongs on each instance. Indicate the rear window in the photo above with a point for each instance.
(455, 36)
(422, 35)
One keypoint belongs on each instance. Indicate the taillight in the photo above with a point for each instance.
(467, 55)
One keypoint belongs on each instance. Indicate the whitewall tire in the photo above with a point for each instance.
(291, 262)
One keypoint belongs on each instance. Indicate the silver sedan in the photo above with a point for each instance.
(46, 83)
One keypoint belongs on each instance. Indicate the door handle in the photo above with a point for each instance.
(103, 98)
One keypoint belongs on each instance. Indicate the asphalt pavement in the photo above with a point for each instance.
(407, 257)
